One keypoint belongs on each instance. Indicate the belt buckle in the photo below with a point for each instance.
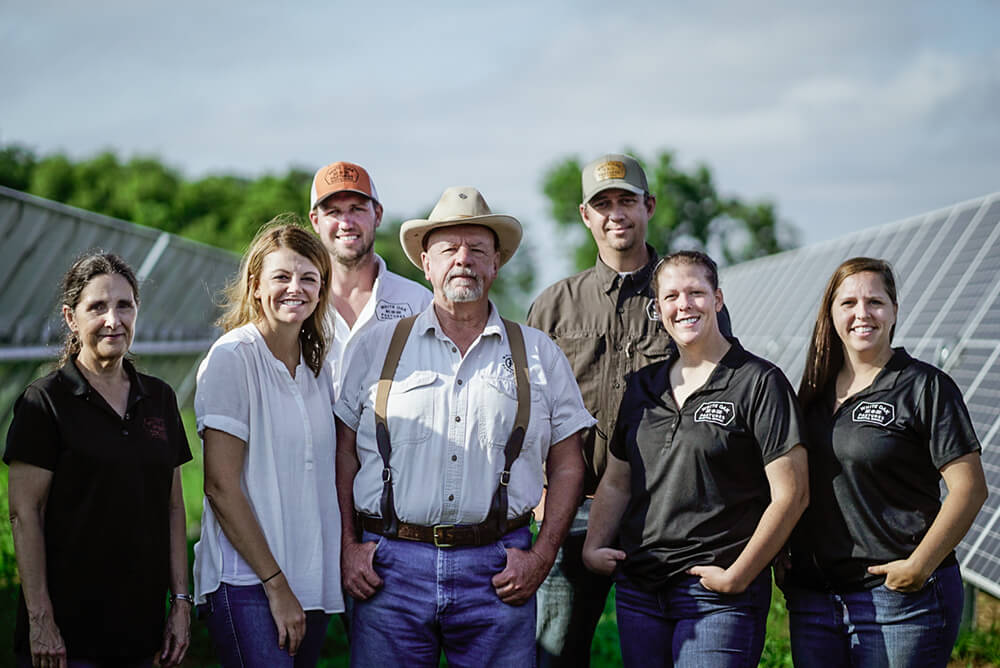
(437, 541)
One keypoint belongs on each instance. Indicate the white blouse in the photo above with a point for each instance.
(288, 469)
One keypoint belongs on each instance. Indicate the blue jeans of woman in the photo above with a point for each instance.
(242, 629)
(434, 599)
(877, 628)
(685, 624)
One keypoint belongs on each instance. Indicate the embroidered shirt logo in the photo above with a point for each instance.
(508, 364)
(156, 427)
(386, 311)
(719, 412)
(876, 412)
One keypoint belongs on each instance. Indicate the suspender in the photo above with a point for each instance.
(497, 517)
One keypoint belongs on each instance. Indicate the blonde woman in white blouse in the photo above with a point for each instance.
(266, 570)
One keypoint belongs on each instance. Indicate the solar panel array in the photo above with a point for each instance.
(947, 265)
(179, 281)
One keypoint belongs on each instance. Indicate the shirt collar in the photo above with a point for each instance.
(610, 280)
(723, 372)
(887, 377)
(427, 322)
(379, 273)
(79, 386)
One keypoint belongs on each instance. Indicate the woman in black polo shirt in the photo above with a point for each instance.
(706, 479)
(874, 580)
(95, 450)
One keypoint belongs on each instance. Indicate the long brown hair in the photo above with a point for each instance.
(241, 307)
(75, 280)
(826, 351)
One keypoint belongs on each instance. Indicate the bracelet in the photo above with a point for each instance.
(181, 597)
(268, 579)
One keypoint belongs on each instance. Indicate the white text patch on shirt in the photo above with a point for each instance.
(719, 412)
(876, 412)
(387, 311)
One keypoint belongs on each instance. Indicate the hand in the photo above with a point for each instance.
(602, 560)
(517, 582)
(176, 634)
(47, 647)
(356, 570)
(901, 575)
(782, 566)
(287, 613)
(719, 580)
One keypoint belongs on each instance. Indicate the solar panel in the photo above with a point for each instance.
(948, 273)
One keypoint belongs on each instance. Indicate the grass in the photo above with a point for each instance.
(976, 649)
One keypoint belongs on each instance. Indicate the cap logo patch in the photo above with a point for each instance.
(612, 169)
(386, 311)
(875, 412)
(340, 174)
(719, 412)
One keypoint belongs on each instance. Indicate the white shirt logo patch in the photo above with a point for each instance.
(386, 311)
(876, 412)
(719, 412)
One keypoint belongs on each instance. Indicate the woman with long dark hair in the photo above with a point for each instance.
(95, 450)
(874, 580)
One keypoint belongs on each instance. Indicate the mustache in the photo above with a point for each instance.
(460, 272)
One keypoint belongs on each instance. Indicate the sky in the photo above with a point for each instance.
(845, 115)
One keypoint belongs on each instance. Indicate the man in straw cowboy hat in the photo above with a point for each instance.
(344, 210)
(447, 426)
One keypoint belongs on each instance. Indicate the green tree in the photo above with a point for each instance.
(16, 166)
(690, 213)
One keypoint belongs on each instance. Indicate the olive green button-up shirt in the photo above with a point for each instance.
(598, 318)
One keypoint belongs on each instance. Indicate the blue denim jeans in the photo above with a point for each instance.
(434, 599)
(877, 628)
(241, 627)
(686, 625)
(570, 603)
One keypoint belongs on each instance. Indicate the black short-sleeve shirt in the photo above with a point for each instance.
(698, 483)
(107, 515)
(874, 473)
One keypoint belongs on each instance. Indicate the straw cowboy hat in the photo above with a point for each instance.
(461, 205)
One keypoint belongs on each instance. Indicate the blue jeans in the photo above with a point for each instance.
(687, 625)
(877, 628)
(441, 598)
(242, 629)
(570, 603)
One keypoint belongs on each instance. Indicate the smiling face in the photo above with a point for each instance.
(345, 223)
(618, 219)
(287, 289)
(687, 303)
(863, 316)
(461, 262)
(103, 319)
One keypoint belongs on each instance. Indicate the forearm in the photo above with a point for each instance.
(564, 471)
(178, 537)
(606, 512)
(29, 549)
(958, 510)
(238, 523)
(347, 469)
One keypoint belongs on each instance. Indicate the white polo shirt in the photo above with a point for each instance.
(449, 419)
(393, 297)
(288, 468)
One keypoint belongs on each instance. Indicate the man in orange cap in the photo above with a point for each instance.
(345, 211)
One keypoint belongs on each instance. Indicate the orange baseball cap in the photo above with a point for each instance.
(340, 177)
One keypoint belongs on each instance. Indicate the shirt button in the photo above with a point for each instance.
(451, 497)
(458, 418)
(454, 349)
(459, 381)
(124, 432)
(127, 416)
(617, 385)
(454, 458)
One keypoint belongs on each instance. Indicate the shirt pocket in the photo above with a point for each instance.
(411, 408)
(496, 411)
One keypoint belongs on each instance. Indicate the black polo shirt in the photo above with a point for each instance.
(874, 473)
(107, 515)
(698, 482)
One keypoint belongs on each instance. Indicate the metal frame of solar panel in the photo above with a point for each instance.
(179, 282)
(947, 266)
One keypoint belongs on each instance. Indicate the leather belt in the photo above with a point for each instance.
(445, 535)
